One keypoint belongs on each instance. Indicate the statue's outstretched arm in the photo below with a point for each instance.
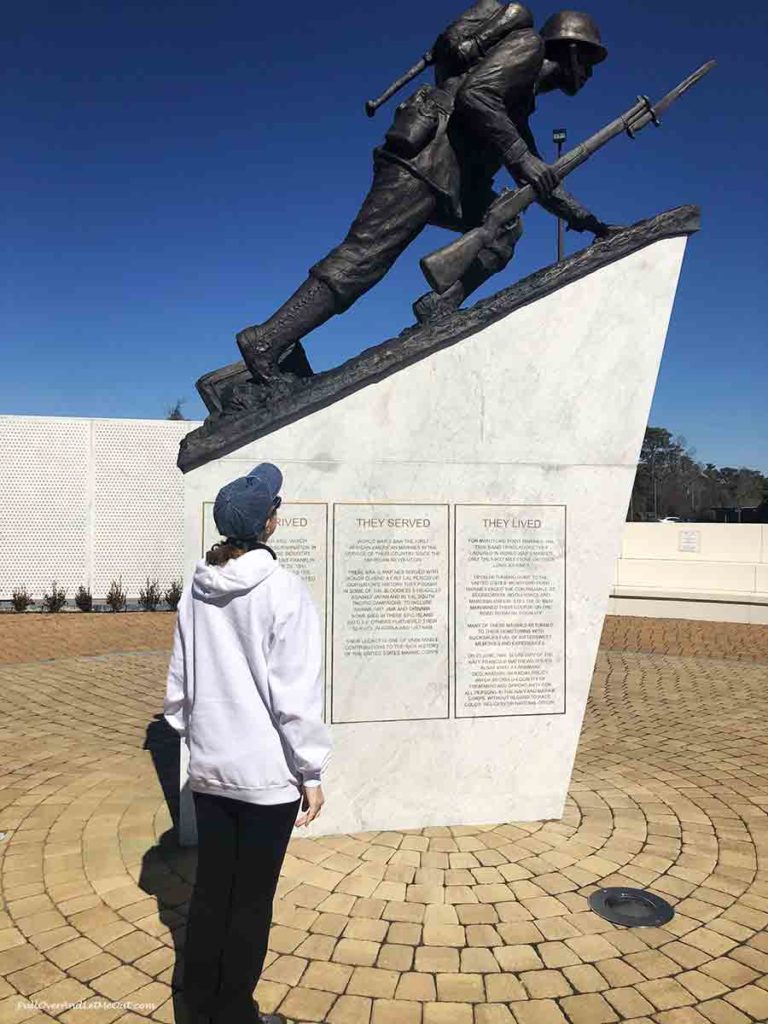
(562, 204)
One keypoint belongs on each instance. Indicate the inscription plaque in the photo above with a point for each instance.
(300, 542)
(689, 540)
(510, 610)
(390, 613)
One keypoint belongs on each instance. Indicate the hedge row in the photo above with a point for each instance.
(151, 596)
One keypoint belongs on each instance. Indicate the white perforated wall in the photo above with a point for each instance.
(88, 501)
(45, 503)
(139, 506)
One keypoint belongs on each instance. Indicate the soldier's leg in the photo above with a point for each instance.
(489, 261)
(395, 210)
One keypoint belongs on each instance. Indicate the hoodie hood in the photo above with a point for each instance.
(237, 576)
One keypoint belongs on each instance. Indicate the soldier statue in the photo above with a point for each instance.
(437, 166)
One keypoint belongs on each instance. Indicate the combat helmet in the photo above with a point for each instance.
(575, 27)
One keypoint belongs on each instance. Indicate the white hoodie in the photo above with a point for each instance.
(244, 682)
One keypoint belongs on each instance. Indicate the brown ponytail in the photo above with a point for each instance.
(221, 553)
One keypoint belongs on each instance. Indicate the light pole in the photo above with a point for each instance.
(559, 135)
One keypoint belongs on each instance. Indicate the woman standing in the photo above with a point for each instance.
(244, 689)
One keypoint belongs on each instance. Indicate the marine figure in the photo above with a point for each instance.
(437, 165)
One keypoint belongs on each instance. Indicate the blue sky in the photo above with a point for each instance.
(170, 171)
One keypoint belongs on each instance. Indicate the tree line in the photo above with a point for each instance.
(670, 481)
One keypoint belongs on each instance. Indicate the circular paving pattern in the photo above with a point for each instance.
(465, 925)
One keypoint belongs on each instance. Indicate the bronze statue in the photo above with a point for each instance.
(436, 166)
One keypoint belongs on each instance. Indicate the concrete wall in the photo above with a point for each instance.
(86, 501)
(711, 571)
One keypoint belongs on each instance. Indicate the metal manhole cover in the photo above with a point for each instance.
(633, 908)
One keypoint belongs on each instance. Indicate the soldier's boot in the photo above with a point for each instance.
(272, 349)
(432, 306)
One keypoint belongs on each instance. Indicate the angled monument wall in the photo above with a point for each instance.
(458, 522)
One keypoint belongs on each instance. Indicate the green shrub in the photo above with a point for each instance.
(150, 595)
(21, 599)
(84, 599)
(117, 599)
(173, 594)
(56, 600)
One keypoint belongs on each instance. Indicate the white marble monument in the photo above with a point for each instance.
(458, 523)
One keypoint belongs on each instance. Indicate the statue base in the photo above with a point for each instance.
(455, 500)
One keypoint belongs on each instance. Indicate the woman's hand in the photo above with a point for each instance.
(312, 800)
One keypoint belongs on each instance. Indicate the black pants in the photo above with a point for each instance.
(241, 848)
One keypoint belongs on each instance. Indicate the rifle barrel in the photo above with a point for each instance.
(371, 106)
(520, 199)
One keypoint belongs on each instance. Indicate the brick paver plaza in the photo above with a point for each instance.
(479, 924)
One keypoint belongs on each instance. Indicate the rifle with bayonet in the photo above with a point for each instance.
(445, 266)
